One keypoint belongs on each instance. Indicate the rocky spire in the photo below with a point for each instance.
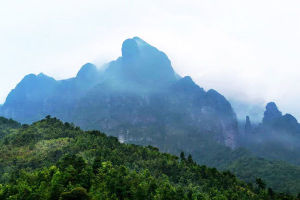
(248, 126)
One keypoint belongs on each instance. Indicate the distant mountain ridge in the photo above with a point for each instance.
(139, 93)
(276, 137)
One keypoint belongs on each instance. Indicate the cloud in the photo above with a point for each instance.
(247, 50)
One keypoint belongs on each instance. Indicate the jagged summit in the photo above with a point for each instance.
(138, 94)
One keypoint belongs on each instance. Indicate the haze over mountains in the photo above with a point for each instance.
(132, 92)
(140, 99)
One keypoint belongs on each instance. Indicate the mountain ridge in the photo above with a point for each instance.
(142, 71)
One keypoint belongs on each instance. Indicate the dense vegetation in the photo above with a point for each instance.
(140, 99)
(280, 176)
(7, 125)
(277, 174)
(54, 160)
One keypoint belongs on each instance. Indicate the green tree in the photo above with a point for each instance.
(78, 193)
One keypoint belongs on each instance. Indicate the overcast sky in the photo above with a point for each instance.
(247, 50)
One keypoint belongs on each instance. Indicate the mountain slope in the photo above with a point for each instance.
(54, 160)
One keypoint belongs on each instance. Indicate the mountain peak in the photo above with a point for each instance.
(290, 118)
(271, 106)
(142, 64)
(87, 71)
(130, 48)
(272, 113)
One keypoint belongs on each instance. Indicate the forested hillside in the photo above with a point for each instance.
(140, 99)
(54, 160)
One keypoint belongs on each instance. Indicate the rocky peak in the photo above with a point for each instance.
(289, 122)
(87, 72)
(129, 49)
(32, 88)
(271, 114)
(141, 65)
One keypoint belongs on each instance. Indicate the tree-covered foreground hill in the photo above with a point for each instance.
(54, 160)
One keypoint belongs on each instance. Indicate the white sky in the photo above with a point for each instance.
(247, 50)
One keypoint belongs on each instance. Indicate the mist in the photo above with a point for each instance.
(248, 51)
(273, 144)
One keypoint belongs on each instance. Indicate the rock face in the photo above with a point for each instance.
(138, 98)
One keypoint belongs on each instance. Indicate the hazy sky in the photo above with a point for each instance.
(247, 50)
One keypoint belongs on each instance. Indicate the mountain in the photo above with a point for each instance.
(277, 137)
(272, 114)
(38, 95)
(50, 159)
(138, 98)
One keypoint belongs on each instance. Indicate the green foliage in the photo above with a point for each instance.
(54, 160)
(7, 126)
(279, 176)
(78, 193)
